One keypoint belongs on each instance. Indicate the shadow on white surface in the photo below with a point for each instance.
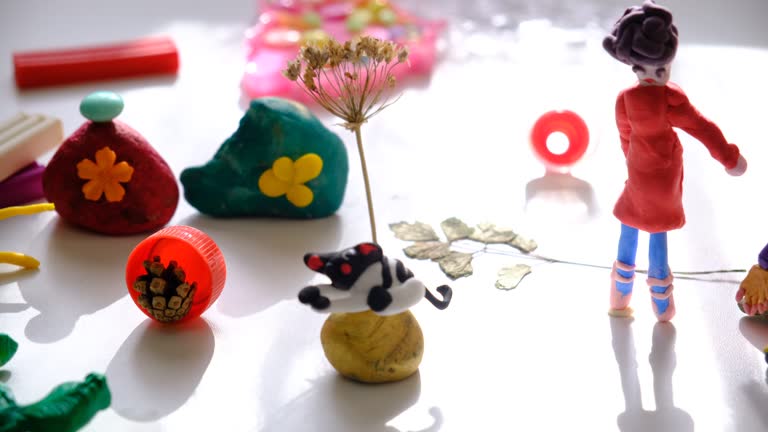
(666, 417)
(12, 277)
(5, 376)
(254, 247)
(73, 280)
(757, 396)
(85, 22)
(559, 193)
(695, 18)
(755, 331)
(334, 403)
(158, 367)
(48, 95)
(17, 275)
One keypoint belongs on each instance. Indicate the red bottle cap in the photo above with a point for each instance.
(203, 267)
(149, 56)
(572, 126)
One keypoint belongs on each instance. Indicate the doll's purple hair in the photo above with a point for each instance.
(644, 35)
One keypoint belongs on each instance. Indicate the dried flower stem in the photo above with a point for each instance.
(371, 216)
(353, 81)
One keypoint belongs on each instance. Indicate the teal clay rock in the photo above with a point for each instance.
(281, 162)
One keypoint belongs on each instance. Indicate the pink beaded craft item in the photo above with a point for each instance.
(284, 25)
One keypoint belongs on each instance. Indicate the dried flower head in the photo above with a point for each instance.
(293, 70)
(353, 81)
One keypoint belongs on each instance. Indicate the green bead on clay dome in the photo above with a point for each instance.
(358, 20)
(312, 19)
(388, 17)
(101, 106)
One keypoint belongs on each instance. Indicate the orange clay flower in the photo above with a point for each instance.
(105, 177)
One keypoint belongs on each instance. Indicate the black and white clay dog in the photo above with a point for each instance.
(363, 278)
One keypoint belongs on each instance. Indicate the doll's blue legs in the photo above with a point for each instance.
(659, 276)
(623, 272)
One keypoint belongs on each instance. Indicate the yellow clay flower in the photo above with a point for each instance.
(105, 177)
(287, 177)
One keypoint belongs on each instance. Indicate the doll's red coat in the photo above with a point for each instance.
(653, 194)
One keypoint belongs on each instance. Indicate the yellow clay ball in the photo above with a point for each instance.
(370, 348)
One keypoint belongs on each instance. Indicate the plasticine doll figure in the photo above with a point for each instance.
(645, 38)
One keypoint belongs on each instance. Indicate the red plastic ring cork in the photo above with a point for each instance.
(175, 274)
(568, 123)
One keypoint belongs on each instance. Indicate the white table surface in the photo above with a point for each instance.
(542, 357)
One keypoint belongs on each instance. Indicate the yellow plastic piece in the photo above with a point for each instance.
(16, 258)
(19, 259)
(317, 36)
(105, 177)
(287, 177)
(9, 212)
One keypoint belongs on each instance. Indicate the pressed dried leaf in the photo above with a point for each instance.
(427, 250)
(524, 244)
(455, 229)
(456, 265)
(418, 231)
(489, 233)
(510, 277)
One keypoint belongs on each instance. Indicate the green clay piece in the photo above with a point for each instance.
(8, 348)
(359, 20)
(272, 128)
(387, 17)
(69, 407)
(312, 19)
(6, 400)
(101, 106)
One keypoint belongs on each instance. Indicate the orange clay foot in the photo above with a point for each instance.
(752, 296)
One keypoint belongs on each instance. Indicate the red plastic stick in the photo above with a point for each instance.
(149, 56)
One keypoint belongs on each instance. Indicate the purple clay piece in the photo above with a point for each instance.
(24, 186)
(762, 259)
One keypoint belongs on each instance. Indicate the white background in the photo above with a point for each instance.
(542, 357)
